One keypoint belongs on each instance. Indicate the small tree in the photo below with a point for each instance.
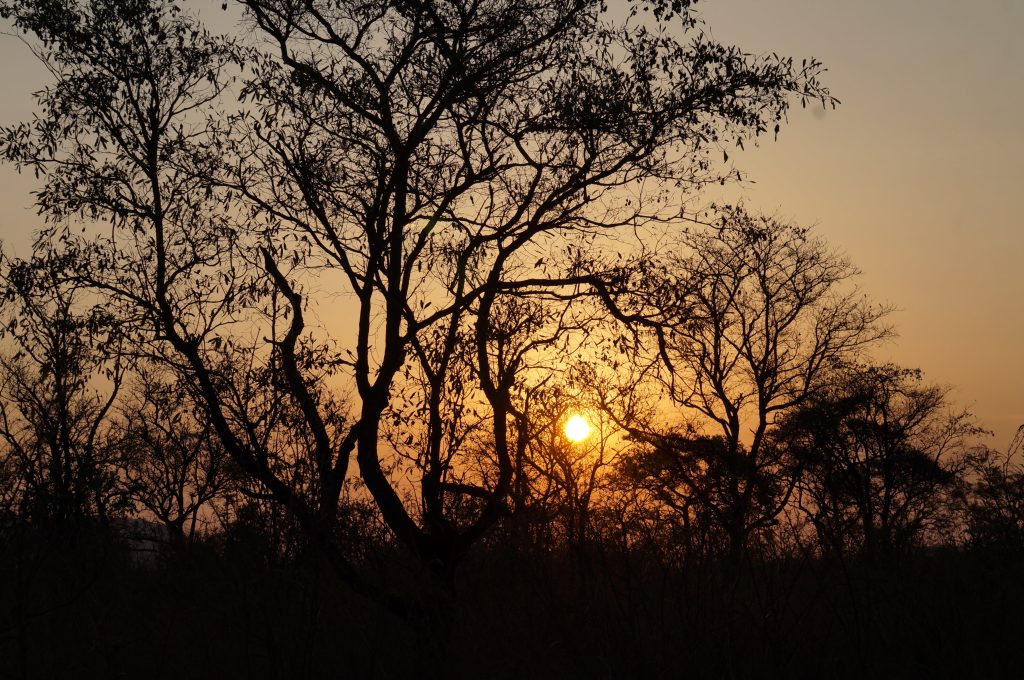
(57, 386)
(760, 314)
(174, 464)
(568, 479)
(706, 485)
(882, 459)
(995, 510)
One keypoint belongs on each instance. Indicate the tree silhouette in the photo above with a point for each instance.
(996, 508)
(881, 458)
(173, 464)
(422, 158)
(54, 408)
(758, 316)
(336, 282)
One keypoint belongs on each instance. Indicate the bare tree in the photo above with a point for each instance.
(421, 157)
(174, 464)
(761, 313)
(567, 479)
(57, 386)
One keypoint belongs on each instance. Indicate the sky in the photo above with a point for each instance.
(914, 176)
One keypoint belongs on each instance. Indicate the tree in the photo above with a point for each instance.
(440, 422)
(173, 463)
(696, 477)
(54, 407)
(421, 157)
(760, 313)
(882, 459)
(566, 481)
(995, 508)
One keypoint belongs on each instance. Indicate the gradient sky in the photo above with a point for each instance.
(914, 176)
(917, 175)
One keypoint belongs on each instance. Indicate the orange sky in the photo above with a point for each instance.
(913, 176)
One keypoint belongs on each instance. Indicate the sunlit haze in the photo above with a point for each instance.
(450, 339)
(915, 175)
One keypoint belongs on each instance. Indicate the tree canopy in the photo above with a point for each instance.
(425, 159)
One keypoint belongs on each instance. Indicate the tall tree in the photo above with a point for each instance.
(421, 158)
(761, 312)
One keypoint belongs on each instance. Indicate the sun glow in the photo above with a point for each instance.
(577, 428)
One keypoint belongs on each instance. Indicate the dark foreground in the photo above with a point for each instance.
(93, 608)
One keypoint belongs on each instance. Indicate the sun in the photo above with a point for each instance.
(577, 428)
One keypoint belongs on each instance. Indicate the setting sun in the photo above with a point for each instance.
(577, 428)
(486, 319)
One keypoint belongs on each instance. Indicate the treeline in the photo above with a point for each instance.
(748, 416)
(286, 375)
(747, 479)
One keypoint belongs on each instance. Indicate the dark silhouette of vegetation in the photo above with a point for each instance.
(756, 318)
(880, 456)
(172, 463)
(54, 417)
(419, 236)
(996, 506)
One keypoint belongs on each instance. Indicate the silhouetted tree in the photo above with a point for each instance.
(761, 313)
(882, 457)
(996, 503)
(422, 157)
(695, 476)
(57, 385)
(568, 480)
(441, 421)
(173, 463)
